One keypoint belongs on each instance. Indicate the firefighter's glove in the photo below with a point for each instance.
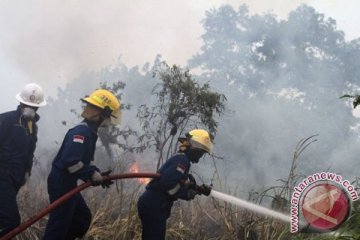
(192, 182)
(106, 173)
(192, 193)
(98, 179)
(204, 189)
(106, 183)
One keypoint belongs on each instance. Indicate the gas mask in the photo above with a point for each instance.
(28, 113)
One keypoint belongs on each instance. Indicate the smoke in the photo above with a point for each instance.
(52, 43)
(55, 42)
(275, 102)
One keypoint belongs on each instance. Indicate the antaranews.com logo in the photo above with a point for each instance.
(321, 202)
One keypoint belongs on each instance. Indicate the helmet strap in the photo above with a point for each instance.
(106, 112)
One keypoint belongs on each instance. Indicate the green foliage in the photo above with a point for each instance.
(356, 98)
(180, 103)
(259, 53)
(346, 96)
(111, 135)
(183, 98)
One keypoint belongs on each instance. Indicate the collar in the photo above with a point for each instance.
(92, 125)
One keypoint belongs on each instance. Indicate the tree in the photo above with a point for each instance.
(282, 79)
(180, 103)
(260, 53)
(64, 111)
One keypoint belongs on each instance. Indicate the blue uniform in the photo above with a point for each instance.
(72, 219)
(18, 139)
(154, 205)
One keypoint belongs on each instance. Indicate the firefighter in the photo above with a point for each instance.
(73, 161)
(18, 137)
(175, 182)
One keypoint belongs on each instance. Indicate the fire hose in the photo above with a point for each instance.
(68, 195)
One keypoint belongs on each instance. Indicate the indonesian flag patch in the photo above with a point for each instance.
(78, 139)
(180, 168)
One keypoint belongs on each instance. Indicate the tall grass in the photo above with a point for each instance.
(115, 213)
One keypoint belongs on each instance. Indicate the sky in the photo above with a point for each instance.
(53, 42)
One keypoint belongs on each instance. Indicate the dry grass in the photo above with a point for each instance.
(115, 216)
(115, 213)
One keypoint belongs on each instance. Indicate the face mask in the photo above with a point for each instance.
(28, 113)
(194, 155)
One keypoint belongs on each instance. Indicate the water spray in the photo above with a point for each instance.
(249, 205)
(68, 195)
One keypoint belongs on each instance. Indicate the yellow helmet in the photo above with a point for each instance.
(107, 101)
(200, 138)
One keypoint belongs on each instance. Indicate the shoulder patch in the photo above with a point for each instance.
(180, 168)
(78, 138)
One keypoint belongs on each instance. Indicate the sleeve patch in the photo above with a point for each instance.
(180, 168)
(78, 138)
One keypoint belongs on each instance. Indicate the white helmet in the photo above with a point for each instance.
(32, 95)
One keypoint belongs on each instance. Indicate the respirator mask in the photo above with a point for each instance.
(28, 113)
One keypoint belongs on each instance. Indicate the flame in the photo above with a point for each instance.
(134, 168)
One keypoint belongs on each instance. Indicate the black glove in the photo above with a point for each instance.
(191, 194)
(106, 183)
(98, 179)
(192, 182)
(204, 189)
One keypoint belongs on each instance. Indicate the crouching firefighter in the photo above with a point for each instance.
(18, 137)
(72, 219)
(175, 182)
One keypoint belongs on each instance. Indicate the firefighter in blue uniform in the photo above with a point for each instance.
(18, 137)
(175, 182)
(72, 219)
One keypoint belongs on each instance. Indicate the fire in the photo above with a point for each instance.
(134, 168)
